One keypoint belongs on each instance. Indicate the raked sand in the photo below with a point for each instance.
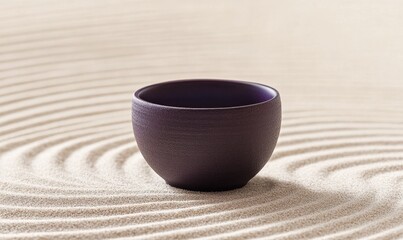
(69, 165)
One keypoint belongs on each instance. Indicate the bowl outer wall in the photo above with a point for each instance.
(206, 149)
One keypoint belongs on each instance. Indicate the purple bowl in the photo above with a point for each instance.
(206, 135)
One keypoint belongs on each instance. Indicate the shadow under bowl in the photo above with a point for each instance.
(206, 135)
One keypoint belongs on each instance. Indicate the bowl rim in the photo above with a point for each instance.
(135, 95)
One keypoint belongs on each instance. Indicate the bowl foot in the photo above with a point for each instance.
(207, 188)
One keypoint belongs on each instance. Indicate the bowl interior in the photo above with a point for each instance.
(206, 93)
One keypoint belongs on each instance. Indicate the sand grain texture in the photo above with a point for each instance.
(70, 168)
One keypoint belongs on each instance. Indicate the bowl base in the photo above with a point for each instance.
(207, 188)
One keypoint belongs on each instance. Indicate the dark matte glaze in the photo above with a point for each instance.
(206, 135)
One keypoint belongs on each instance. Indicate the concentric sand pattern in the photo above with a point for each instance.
(69, 165)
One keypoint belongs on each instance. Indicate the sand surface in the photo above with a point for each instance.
(69, 165)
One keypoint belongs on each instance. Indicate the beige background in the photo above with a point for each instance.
(69, 166)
